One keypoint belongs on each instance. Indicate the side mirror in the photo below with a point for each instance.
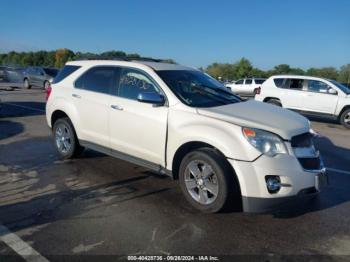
(151, 98)
(332, 91)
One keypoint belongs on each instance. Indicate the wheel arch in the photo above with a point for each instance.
(270, 98)
(342, 111)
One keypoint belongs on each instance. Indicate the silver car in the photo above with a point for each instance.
(39, 76)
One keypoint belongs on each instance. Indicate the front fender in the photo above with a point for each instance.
(185, 127)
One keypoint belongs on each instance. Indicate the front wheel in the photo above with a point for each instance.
(65, 139)
(345, 118)
(207, 181)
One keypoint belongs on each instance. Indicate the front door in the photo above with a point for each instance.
(137, 129)
(318, 99)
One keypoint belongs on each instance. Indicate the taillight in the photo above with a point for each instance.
(257, 90)
(48, 92)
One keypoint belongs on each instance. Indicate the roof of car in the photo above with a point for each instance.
(298, 76)
(158, 66)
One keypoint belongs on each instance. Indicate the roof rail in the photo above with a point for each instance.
(100, 58)
(124, 58)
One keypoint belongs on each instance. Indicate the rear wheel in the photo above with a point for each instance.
(345, 118)
(26, 84)
(65, 139)
(275, 102)
(207, 181)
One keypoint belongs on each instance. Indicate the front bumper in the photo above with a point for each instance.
(297, 183)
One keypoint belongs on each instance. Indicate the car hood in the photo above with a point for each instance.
(282, 122)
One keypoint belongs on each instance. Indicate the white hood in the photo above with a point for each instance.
(260, 115)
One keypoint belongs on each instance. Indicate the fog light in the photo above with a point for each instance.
(273, 184)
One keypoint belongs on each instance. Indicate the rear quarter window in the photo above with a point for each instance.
(279, 82)
(64, 72)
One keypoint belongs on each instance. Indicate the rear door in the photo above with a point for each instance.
(317, 98)
(291, 93)
(91, 97)
(137, 129)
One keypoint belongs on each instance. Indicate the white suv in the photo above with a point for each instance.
(310, 95)
(246, 86)
(180, 122)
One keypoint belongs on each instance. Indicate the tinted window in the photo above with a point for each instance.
(133, 82)
(64, 72)
(279, 82)
(296, 84)
(259, 81)
(239, 82)
(98, 79)
(317, 86)
(51, 71)
(196, 89)
(248, 81)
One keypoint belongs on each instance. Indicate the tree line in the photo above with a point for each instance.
(225, 71)
(59, 57)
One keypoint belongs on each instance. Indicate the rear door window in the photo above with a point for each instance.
(294, 84)
(98, 79)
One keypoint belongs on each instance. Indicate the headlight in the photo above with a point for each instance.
(266, 142)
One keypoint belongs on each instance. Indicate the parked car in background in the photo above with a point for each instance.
(309, 95)
(181, 122)
(246, 86)
(11, 76)
(39, 76)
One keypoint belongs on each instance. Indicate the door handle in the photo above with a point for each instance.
(76, 96)
(117, 107)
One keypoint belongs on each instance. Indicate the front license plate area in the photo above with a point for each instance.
(321, 180)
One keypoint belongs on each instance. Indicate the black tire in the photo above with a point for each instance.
(345, 118)
(26, 84)
(46, 84)
(71, 145)
(275, 102)
(228, 195)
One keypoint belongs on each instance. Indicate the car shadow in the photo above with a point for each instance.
(37, 188)
(9, 128)
(335, 193)
(22, 109)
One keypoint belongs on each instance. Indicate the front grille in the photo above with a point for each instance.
(310, 163)
(303, 140)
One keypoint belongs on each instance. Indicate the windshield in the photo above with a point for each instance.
(343, 88)
(51, 71)
(197, 89)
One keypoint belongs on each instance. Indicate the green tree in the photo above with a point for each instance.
(325, 72)
(62, 56)
(344, 74)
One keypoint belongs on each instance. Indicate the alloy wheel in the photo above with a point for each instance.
(63, 138)
(201, 182)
